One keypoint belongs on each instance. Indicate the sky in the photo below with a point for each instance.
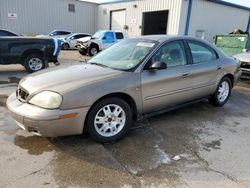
(240, 2)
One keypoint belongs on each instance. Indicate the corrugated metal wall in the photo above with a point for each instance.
(43, 16)
(132, 13)
(213, 18)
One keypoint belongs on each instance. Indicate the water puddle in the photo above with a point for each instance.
(3, 100)
(11, 80)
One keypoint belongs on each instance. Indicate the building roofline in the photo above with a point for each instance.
(118, 1)
(213, 1)
(230, 4)
(86, 1)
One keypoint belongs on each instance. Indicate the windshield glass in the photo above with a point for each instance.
(97, 35)
(124, 55)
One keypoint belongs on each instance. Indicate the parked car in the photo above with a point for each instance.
(81, 45)
(33, 53)
(132, 78)
(99, 41)
(245, 64)
(69, 42)
(57, 34)
(5, 33)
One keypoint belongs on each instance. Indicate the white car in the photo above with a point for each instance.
(99, 41)
(57, 34)
(69, 42)
(245, 64)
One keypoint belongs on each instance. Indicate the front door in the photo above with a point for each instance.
(171, 86)
(108, 40)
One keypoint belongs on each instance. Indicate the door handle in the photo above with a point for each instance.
(186, 74)
(219, 67)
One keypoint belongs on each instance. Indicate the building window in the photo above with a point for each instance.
(72, 8)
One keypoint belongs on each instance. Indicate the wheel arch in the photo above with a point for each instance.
(94, 44)
(127, 98)
(29, 52)
(231, 77)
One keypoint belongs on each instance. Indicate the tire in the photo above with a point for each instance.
(93, 50)
(65, 46)
(218, 99)
(102, 131)
(83, 52)
(34, 63)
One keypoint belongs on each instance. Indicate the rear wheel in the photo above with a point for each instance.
(222, 93)
(34, 62)
(109, 120)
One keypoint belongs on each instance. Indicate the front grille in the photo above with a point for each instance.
(21, 94)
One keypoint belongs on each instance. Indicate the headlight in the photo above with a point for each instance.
(47, 99)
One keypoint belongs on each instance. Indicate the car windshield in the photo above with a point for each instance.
(124, 55)
(97, 35)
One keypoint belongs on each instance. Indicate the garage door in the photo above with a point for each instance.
(118, 20)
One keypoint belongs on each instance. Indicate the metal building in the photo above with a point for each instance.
(43, 16)
(200, 18)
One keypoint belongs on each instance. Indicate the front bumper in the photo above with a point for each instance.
(80, 46)
(44, 122)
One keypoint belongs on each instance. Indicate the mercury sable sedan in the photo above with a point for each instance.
(134, 77)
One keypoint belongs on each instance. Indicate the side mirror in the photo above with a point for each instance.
(104, 38)
(158, 66)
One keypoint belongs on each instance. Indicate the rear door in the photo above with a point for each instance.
(171, 86)
(119, 36)
(206, 68)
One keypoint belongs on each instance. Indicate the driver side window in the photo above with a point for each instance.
(172, 54)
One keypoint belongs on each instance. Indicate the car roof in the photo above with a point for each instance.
(80, 34)
(163, 38)
(110, 31)
(61, 30)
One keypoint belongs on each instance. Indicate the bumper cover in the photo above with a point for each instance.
(44, 122)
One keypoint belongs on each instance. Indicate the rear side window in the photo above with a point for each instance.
(63, 33)
(201, 52)
(60, 33)
(119, 35)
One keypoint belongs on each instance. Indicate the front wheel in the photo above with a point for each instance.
(34, 62)
(222, 92)
(93, 50)
(109, 120)
(83, 52)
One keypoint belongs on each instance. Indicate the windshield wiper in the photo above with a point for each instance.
(98, 64)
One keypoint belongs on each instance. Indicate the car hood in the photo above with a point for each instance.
(245, 57)
(84, 39)
(66, 78)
